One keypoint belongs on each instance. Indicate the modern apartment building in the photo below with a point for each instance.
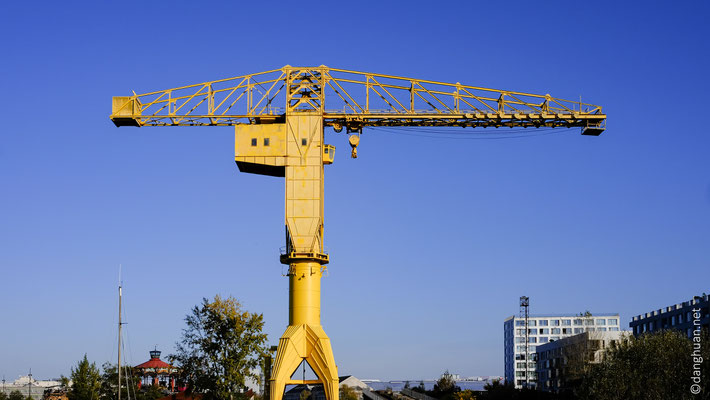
(558, 362)
(685, 317)
(542, 329)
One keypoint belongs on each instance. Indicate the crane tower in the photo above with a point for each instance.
(279, 118)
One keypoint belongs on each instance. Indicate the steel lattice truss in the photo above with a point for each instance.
(350, 99)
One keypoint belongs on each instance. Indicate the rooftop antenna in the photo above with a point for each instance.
(120, 295)
(29, 385)
(524, 305)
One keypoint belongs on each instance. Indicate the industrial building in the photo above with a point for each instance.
(29, 387)
(684, 317)
(542, 329)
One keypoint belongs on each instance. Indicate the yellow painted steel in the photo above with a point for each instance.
(351, 99)
(288, 142)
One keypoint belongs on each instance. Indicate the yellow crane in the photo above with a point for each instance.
(279, 118)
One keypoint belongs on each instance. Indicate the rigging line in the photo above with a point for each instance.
(464, 137)
(459, 132)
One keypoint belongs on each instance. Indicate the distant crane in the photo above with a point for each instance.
(279, 118)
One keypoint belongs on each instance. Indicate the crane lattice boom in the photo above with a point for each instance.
(350, 99)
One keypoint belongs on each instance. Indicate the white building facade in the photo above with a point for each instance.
(542, 329)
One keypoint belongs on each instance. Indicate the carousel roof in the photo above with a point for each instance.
(154, 362)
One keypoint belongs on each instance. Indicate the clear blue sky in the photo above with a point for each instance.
(432, 240)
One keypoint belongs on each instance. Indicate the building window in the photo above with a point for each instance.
(544, 331)
(266, 141)
(544, 339)
(578, 330)
(304, 142)
(578, 322)
(566, 322)
(519, 323)
(555, 322)
(543, 322)
(532, 340)
(556, 331)
(601, 322)
(566, 331)
(613, 321)
(253, 142)
(531, 322)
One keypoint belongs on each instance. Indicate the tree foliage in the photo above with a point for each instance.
(109, 383)
(465, 395)
(654, 366)
(220, 348)
(16, 395)
(3, 396)
(86, 381)
(347, 393)
(446, 385)
(420, 387)
(507, 391)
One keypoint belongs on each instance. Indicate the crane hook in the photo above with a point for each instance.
(354, 140)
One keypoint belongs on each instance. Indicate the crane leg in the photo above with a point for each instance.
(304, 339)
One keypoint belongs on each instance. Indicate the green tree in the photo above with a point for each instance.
(445, 386)
(109, 383)
(86, 381)
(347, 393)
(150, 392)
(64, 383)
(465, 395)
(3, 396)
(420, 387)
(649, 367)
(220, 348)
(16, 395)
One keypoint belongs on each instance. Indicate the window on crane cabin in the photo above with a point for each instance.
(304, 141)
(266, 141)
(253, 142)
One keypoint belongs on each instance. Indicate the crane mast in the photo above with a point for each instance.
(288, 141)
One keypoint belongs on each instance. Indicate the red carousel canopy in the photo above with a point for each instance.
(155, 362)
